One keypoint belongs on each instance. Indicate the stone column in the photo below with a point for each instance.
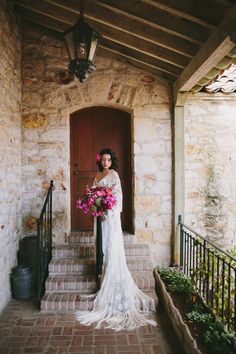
(179, 193)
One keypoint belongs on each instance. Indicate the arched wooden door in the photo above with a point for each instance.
(92, 129)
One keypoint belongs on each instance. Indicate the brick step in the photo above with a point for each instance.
(79, 266)
(86, 250)
(60, 283)
(88, 237)
(74, 301)
(65, 301)
(87, 283)
(86, 265)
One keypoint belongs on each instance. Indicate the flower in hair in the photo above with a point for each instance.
(98, 157)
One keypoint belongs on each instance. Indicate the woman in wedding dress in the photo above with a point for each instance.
(119, 304)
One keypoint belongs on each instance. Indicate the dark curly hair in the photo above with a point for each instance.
(113, 159)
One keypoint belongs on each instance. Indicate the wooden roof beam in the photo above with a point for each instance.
(199, 11)
(115, 18)
(128, 60)
(156, 18)
(218, 45)
(46, 16)
(46, 21)
(98, 17)
(141, 57)
(108, 48)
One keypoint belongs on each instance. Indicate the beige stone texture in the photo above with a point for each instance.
(10, 146)
(210, 155)
(35, 120)
(144, 235)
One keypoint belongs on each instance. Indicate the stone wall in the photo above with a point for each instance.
(10, 146)
(48, 100)
(210, 179)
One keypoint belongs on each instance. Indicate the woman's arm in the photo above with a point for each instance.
(116, 186)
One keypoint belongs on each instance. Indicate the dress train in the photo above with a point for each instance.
(119, 304)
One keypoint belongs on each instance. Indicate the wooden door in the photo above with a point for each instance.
(92, 129)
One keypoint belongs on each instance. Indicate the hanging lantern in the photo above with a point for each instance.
(81, 43)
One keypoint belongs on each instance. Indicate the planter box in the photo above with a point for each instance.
(182, 331)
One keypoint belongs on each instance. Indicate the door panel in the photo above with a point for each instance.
(91, 130)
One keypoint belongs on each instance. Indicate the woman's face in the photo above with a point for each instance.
(106, 161)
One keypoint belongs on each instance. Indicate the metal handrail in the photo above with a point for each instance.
(44, 232)
(213, 272)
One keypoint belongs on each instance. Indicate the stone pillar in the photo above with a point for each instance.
(179, 193)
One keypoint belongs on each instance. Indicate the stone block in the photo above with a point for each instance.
(147, 204)
(34, 120)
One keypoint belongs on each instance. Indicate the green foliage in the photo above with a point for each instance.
(209, 272)
(175, 280)
(195, 316)
(217, 338)
(199, 307)
(214, 334)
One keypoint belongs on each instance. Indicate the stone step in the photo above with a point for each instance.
(74, 301)
(87, 283)
(86, 265)
(85, 237)
(86, 250)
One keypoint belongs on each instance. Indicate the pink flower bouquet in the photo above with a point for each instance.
(98, 200)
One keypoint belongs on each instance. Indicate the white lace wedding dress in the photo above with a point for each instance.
(119, 304)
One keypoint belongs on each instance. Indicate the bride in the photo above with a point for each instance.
(119, 304)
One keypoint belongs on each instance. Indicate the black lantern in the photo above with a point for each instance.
(81, 43)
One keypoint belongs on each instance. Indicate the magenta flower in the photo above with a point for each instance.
(98, 157)
(97, 200)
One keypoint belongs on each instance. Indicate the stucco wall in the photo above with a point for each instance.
(10, 146)
(47, 104)
(210, 179)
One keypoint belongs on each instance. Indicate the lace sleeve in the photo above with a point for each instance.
(116, 185)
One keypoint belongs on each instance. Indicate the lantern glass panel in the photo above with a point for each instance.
(93, 46)
(70, 45)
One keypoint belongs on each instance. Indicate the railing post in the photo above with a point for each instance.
(44, 231)
(39, 260)
(50, 209)
(181, 239)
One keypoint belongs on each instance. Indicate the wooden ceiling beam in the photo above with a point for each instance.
(135, 54)
(159, 19)
(215, 49)
(141, 29)
(114, 55)
(45, 9)
(47, 22)
(199, 11)
(143, 46)
(125, 39)
(170, 72)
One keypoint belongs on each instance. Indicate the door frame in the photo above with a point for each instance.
(132, 172)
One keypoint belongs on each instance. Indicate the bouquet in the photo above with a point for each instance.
(98, 200)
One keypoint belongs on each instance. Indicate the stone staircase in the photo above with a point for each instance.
(72, 272)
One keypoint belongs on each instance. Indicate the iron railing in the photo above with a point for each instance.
(44, 232)
(213, 272)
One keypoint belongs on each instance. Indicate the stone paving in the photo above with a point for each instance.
(23, 329)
